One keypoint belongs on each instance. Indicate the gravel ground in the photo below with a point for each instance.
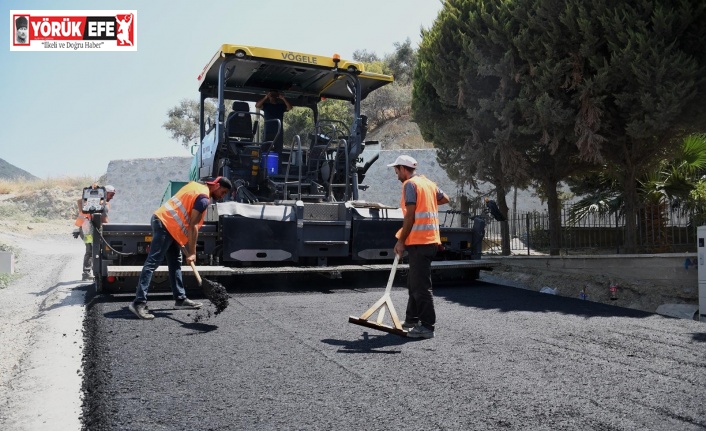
(41, 328)
(503, 358)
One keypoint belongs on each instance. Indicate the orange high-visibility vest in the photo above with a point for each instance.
(175, 213)
(83, 221)
(82, 217)
(426, 213)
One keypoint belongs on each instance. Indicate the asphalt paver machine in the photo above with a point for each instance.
(293, 211)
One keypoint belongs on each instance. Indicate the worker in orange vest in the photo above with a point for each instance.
(85, 230)
(419, 236)
(175, 225)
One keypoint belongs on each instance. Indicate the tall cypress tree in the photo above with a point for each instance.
(547, 86)
(462, 98)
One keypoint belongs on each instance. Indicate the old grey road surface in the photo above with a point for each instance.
(41, 340)
(503, 359)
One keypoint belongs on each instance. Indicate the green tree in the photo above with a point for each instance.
(402, 61)
(463, 98)
(183, 120)
(640, 82)
(675, 183)
(552, 85)
(392, 101)
(363, 55)
(300, 121)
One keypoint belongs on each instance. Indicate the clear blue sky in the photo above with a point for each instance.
(71, 113)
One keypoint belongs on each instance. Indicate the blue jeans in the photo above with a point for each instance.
(162, 245)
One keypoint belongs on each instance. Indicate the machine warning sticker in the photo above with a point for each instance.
(73, 30)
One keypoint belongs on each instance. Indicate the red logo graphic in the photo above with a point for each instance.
(125, 29)
(72, 30)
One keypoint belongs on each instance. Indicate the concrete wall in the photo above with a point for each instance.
(386, 189)
(140, 184)
(670, 273)
(7, 262)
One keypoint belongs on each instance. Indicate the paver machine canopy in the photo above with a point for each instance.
(324, 164)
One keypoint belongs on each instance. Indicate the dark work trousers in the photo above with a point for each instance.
(88, 260)
(162, 245)
(420, 307)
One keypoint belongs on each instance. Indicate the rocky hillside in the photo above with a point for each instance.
(51, 210)
(39, 205)
(399, 134)
(11, 172)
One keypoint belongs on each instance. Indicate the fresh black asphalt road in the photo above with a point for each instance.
(285, 358)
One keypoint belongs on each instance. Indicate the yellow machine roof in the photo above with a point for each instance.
(304, 78)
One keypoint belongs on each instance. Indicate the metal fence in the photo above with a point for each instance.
(658, 230)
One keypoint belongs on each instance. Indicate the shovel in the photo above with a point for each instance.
(206, 289)
(215, 292)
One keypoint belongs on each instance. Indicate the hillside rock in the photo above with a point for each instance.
(50, 204)
(11, 172)
(399, 134)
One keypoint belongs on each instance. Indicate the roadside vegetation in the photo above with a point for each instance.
(20, 186)
(24, 202)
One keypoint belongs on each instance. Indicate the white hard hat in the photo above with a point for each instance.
(109, 189)
(405, 161)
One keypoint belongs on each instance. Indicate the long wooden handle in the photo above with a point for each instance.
(196, 273)
(392, 274)
(193, 266)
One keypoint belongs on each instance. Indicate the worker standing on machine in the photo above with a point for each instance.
(273, 106)
(175, 225)
(85, 230)
(419, 235)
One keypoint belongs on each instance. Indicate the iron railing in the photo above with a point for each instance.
(658, 230)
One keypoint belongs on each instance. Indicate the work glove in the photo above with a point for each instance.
(76, 234)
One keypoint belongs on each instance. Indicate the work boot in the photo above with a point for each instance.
(87, 277)
(187, 303)
(140, 310)
(420, 331)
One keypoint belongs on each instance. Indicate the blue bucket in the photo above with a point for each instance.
(270, 162)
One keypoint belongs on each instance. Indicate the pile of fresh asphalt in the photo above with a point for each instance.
(283, 356)
(217, 294)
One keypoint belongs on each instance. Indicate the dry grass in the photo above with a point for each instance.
(42, 204)
(20, 187)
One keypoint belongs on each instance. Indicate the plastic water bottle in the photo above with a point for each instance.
(583, 295)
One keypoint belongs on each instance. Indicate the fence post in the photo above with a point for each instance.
(528, 235)
(617, 238)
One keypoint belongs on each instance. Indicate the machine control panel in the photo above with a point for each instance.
(94, 200)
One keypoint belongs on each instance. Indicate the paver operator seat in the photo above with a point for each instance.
(239, 125)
